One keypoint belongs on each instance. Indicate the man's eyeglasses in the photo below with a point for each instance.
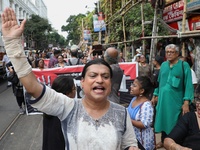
(170, 52)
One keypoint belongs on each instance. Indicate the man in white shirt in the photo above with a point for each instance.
(138, 53)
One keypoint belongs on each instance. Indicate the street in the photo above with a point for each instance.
(17, 132)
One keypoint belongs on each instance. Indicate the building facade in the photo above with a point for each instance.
(23, 9)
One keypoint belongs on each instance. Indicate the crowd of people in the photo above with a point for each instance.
(160, 99)
(62, 57)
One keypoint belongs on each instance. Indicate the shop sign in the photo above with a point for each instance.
(173, 12)
(178, 25)
(192, 23)
(186, 25)
(195, 22)
(193, 5)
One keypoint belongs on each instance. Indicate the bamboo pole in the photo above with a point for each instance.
(124, 32)
(154, 37)
(183, 25)
(190, 32)
(142, 17)
(82, 26)
(118, 13)
(111, 7)
(154, 33)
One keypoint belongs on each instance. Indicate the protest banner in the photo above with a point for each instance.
(46, 76)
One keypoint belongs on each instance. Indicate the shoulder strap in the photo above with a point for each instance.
(69, 62)
(125, 121)
(77, 62)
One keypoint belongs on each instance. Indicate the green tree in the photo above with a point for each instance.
(35, 32)
(56, 39)
(133, 28)
(113, 16)
(39, 34)
(73, 28)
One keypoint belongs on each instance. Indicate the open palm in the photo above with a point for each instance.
(10, 27)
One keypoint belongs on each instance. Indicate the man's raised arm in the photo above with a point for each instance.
(12, 33)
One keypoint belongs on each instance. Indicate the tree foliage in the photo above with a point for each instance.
(34, 32)
(74, 28)
(133, 22)
(113, 17)
(39, 33)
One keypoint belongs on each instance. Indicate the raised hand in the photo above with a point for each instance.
(10, 27)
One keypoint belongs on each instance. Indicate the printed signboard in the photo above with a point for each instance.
(173, 12)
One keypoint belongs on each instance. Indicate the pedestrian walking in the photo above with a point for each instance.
(17, 88)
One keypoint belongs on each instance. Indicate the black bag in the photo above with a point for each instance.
(19, 92)
(72, 64)
(12, 77)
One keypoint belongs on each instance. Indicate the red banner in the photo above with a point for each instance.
(46, 76)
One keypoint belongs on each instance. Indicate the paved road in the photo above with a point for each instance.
(17, 132)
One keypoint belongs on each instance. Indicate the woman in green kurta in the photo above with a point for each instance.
(175, 91)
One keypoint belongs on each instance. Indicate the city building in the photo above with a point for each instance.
(24, 9)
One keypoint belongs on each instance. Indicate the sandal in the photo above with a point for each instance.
(159, 145)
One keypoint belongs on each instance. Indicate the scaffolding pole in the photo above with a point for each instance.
(142, 18)
(183, 25)
(154, 33)
(124, 33)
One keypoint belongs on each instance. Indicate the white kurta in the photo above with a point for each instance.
(112, 131)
